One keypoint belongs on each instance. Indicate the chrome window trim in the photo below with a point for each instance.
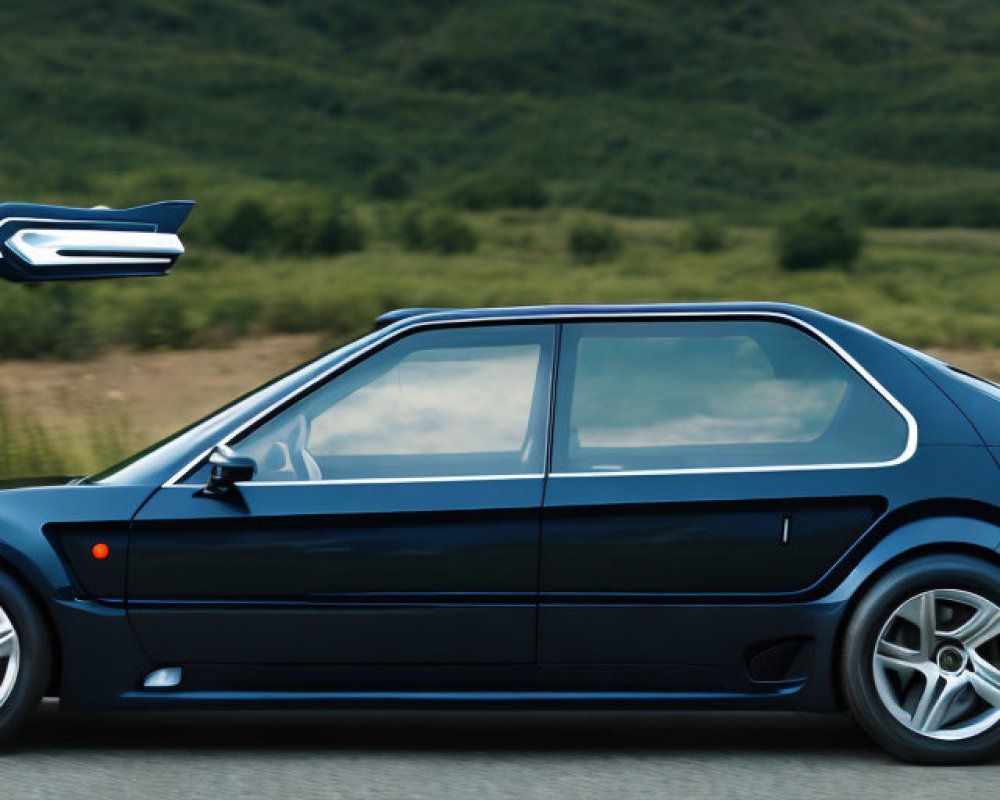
(354, 481)
(621, 316)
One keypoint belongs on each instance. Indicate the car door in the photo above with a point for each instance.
(393, 518)
(695, 458)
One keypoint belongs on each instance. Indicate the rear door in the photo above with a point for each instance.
(394, 518)
(700, 458)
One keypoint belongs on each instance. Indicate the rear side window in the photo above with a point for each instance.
(723, 394)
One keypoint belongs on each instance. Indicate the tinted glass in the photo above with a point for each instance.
(455, 402)
(723, 394)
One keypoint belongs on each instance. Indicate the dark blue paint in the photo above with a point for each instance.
(604, 591)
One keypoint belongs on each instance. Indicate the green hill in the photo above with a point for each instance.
(628, 106)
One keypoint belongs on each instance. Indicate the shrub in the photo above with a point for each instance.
(389, 182)
(964, 208)
(338, 230)
(411, 229)
(293, 229)
(298, 228)
(438, 231)
(52, 320)
(590, 242)
(626, 200)
(499, 190)
(447, 233)
(245, 226)
(817, 237)
(157, 321)
(703, 234)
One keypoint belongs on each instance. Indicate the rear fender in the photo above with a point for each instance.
(938, 533)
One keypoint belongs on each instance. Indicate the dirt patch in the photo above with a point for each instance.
(153, 393)
(984, 363)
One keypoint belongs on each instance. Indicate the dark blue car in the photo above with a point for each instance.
(747, 506)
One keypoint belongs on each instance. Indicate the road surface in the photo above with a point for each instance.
(414, 756)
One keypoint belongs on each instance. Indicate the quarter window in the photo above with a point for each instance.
(451, 402)
(713, 395)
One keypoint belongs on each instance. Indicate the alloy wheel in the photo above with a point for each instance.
(10, 656)
(936, 664)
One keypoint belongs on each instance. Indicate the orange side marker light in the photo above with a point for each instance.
(100, 551)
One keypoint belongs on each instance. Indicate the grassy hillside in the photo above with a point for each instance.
(924, 287)
(523, 116)
(642, 112)
(629, 106)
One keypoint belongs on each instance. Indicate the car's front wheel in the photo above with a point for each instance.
(921, 660)
(25, 656)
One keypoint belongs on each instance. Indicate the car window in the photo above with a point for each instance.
(453, 402)
(719, 394)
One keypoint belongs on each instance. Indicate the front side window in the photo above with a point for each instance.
(444, 403)
(713, 395)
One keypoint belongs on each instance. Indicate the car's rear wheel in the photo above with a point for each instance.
(921, 660)
(25, 656)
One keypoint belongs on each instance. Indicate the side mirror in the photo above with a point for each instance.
(228, 469)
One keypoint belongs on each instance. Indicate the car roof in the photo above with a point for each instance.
(413, 315)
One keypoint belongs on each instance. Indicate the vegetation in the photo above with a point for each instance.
(505, 190)
(906, 284)
(817, 237)
(590, 241)
(687, 131)
(437, 231)
(632, 107)
(704, 234)
(389, 182)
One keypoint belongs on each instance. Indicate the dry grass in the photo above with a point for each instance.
(83, 415)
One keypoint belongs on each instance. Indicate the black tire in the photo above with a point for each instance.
(35, 656)
(930, 572)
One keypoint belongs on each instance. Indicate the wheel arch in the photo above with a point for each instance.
(938, 535)
(11, 569)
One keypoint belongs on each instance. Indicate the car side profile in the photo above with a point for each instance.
(742, 505)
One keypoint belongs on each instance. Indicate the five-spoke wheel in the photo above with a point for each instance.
(921, 660)
(937, 665)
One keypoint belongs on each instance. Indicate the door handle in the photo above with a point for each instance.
(786, 528)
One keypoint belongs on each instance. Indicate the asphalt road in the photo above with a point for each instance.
(471, 756)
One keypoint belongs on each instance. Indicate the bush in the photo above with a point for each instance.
(624, 200)
(157, 321)
(932, 209)
(293, 229)
(245, 226)
(501, 190)
(296, 228)
(590, 242)
(447, 233)
(437, 231)
(338, 230)
(703, 235)
(389, 182)
(411, 229)
(817, 237)
(57, 320)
